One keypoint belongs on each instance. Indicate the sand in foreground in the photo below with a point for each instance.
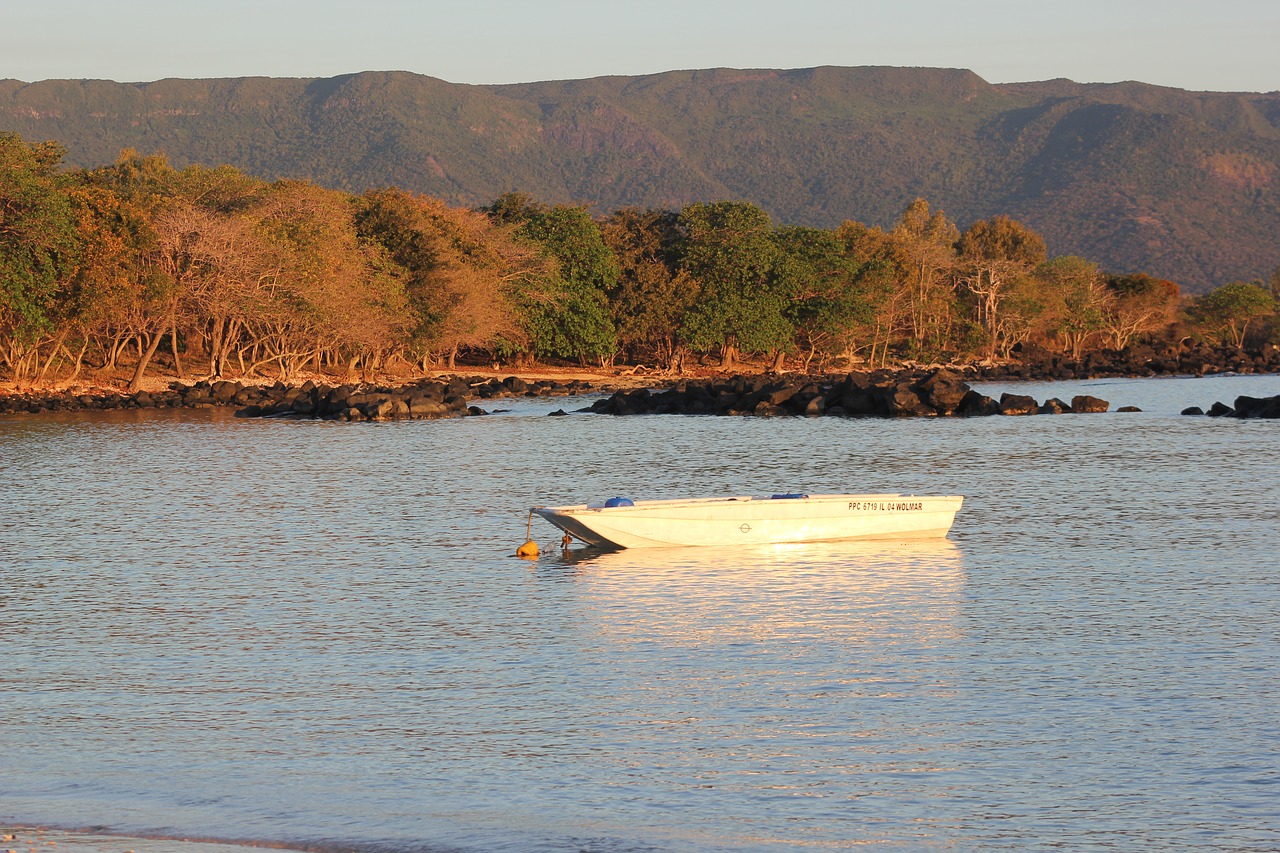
(27, 839)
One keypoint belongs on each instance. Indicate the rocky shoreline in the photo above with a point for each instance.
(885, 393)
(1173, 359)
(935, 393)
(1245, 407)
(425, 398)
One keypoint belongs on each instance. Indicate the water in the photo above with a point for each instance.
(314, 633)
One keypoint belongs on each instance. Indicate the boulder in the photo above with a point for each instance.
(1193, 410)
(1271, 410)
(427, 407)
(225, 391)
(943, 390)
(975, 404)
(858, 401)
(903, 401)
(1219, 409)
(635, 403)
(1085, 403)
(764, 409)
(778, 396)
(1257, 407)
(1054, 406)
(1018, 404)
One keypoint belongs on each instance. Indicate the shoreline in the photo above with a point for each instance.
(19, 837)
(430, 395)
(1031, 365)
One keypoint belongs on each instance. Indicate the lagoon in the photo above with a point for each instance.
(313, 633)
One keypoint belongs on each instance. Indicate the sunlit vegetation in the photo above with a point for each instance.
(140, 269)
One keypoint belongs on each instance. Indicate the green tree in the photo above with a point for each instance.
(567, 310)
(730, 251)
(39, 249)
(830, 301)
(883, 277)
(1229, 310)
(1076, 288)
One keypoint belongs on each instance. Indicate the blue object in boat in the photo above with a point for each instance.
(789, 496)
(619, 502)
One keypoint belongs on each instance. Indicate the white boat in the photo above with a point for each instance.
(624, 523)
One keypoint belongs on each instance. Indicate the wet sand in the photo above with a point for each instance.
(30, 839)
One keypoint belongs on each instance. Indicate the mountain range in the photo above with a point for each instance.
(1140, 178)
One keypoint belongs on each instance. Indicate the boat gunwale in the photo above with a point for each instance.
(574, 509)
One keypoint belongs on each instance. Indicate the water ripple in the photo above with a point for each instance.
(315, 633)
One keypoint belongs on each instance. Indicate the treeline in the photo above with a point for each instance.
(226, 274)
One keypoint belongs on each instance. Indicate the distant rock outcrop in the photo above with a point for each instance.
(936, 393)
(1245, 407)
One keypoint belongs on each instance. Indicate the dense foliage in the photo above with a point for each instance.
(1135, 177)
(213, 272)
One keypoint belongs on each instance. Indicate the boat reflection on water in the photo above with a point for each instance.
(862, 557)
(851, 591)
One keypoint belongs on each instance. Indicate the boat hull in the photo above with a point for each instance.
(755, 521)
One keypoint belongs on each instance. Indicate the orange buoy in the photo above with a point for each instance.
(528, 549)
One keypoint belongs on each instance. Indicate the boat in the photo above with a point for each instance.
(624, 523)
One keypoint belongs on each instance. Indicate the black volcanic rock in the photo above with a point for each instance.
(883, 395)
(1018, 404)
(1085, 403)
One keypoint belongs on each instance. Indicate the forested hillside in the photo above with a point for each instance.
(1180, 185)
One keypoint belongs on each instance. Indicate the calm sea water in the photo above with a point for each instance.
(314, 633)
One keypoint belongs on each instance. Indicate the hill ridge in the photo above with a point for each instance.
(1138, 177)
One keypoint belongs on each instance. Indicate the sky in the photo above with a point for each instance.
(1224, 45)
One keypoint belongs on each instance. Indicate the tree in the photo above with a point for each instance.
(197, 244)
(653, 294)
(922, 247)
(105, 295)
(1082, 301)
(567, 310)
(203, 258)
(39, 249)
(1229, 310)
(828, 290)
(995, 256)
(320, 290)
(882, 275)
(461, 270)
(1140, 304)
(730, 252)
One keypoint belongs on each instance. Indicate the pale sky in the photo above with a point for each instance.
(1224, 45)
